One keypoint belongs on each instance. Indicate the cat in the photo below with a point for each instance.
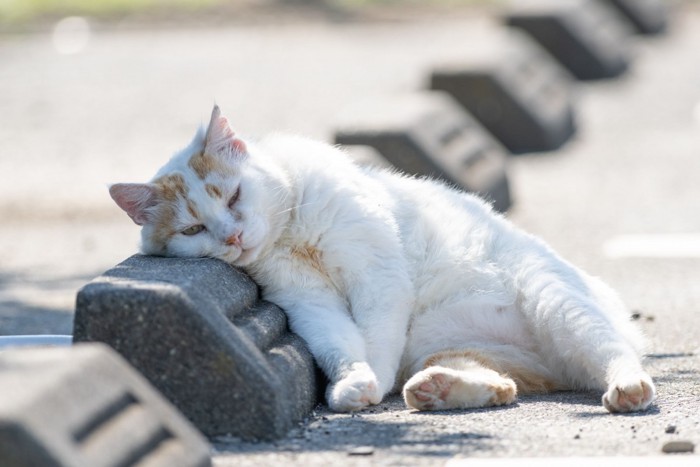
(394, 282)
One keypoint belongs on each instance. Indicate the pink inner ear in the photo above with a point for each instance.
(220, 138)
(239, 145)
(134, 199)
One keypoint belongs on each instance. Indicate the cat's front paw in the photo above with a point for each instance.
(355, 391)
(630, 393)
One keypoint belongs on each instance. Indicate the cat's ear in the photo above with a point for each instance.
(135, 199)
(220, 140)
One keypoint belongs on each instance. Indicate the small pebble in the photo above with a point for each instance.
(577, 437)
(678, 446)
(671, 429)
(361, 451)
(636, 315)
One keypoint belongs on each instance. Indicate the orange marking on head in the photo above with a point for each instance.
(171, 187)
(192, 209)
(204, 163)
(213, 191)
(165, 220)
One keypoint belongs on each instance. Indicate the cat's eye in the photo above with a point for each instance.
(234, 198)
(194, 230)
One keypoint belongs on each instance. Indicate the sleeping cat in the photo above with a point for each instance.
(392, 281)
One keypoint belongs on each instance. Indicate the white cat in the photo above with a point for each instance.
(391, 280)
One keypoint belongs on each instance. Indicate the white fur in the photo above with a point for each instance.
(408, 268)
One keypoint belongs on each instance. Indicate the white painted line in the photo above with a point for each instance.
(49, 340)
(673, 460)
(653, 246)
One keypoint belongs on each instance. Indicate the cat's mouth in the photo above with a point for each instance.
(240, 256)
(244, 258)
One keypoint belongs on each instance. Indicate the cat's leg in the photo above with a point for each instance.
(381, 296)
(357, 336)
(583, 327)
(360, 352)
(335, 341)
(381, 309)
(454, 380)
(629, 386)
(355, 390)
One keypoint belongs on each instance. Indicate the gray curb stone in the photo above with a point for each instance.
(428, 133)
(516, 90)
(197, 330)
(647, 16)
(366, 156)
(84, 406)
(587, 37)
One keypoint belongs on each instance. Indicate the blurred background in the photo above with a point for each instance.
(93, 93)
(98, 92)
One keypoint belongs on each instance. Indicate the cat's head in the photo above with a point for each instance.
(218, 197)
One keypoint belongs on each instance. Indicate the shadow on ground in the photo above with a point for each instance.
(382, 427)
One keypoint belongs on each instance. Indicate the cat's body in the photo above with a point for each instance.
(392, 281)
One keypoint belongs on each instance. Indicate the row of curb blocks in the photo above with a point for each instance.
(518, 94)
(197, 330)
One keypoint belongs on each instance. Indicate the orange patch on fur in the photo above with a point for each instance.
(171, 187)
(503, 394)
(165, 219)
(311, 256)
(203, 164)
(441, 358)
(531, 382)
(192, 209)
(527, 380)
(213, 191)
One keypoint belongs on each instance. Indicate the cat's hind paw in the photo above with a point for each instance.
(428, 390)
(355, 391)
(631, 394)
(438, 388)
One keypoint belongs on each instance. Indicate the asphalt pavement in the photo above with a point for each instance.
(621, 200)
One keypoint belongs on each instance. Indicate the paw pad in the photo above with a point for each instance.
(630, 396)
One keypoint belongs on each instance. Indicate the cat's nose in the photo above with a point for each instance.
(234, 239)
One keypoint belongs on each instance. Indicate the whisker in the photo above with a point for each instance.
(295, 207)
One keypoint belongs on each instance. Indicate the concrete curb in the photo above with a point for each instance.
(516, 90)
(647, 16)
(198, 331)
(589, 38)
(428, 133)
(83, 405)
